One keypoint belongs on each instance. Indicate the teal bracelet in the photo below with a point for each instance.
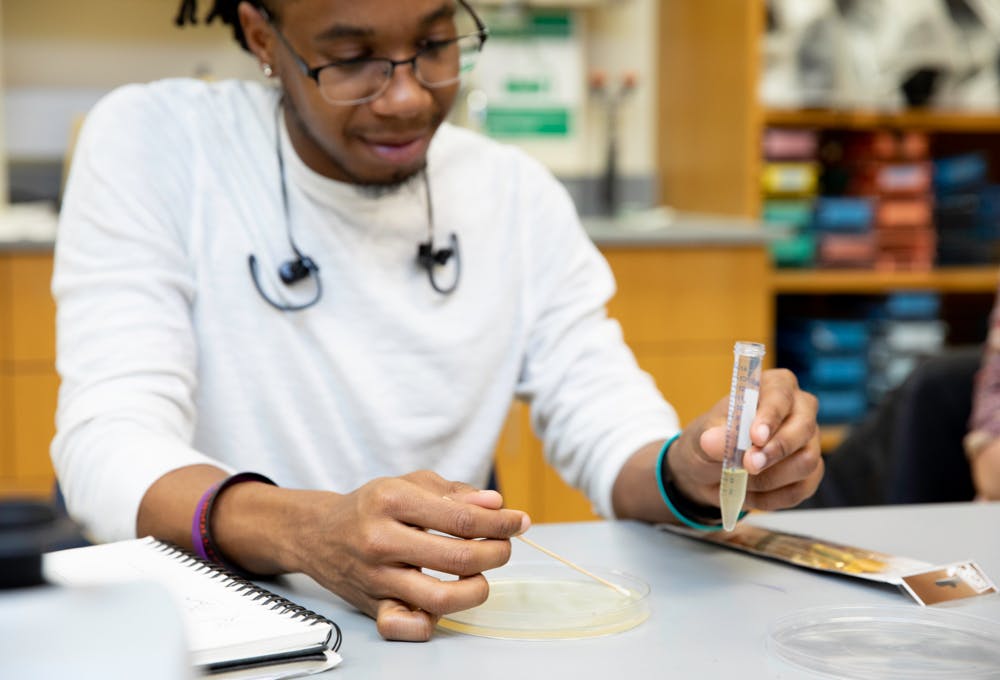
(666, 497)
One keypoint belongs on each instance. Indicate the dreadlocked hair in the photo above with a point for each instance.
(224, 10)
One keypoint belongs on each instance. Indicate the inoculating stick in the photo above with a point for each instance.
(572, 565)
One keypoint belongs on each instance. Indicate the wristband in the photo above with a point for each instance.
(680, 506)
(201, 526)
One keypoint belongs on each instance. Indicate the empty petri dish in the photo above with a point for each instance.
(543, 601)
(888, 642)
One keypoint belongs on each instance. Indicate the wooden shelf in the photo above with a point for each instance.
(914, 119)
(945, 280)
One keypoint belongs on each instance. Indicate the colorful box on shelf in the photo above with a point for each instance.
(915, 239)
(904, 213)
(911, 336)
(843, 214)
(797, 247)
(891, 178)
(812, 336)
(794, 213)
(896, 348)
(906, 249)
(961, 172)
(789, 178)
(821, 370)
(795, 251)
(789, 144)
(846, 250)
(840, 405)
(912, 304)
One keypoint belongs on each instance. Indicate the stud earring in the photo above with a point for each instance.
(268, 71)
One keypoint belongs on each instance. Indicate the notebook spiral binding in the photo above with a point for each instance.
(242, 585)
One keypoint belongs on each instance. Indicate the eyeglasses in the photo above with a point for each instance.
(438, 63)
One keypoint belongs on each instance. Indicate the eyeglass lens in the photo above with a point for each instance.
(437, 66)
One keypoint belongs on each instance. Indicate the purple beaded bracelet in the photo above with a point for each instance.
(201, 532)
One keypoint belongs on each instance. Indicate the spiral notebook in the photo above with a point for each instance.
(230, 623)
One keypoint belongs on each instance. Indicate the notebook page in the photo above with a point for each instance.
(221, 622)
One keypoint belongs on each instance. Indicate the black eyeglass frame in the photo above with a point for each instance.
(482, 32)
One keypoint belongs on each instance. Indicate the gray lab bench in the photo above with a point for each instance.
(711, 606)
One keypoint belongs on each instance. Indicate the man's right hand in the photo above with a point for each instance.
(369, 546)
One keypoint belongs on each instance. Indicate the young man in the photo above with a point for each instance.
(323, 283)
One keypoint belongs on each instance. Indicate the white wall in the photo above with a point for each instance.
(622, 37)
(60, 56)
(75, 51)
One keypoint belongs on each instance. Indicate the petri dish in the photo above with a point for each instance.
(550, 601)
(888, 642)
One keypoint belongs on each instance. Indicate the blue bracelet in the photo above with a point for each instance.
(666, 497)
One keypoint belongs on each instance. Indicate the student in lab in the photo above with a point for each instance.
(324, 283)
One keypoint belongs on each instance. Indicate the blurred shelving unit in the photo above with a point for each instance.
(711, 118)
(712, 124)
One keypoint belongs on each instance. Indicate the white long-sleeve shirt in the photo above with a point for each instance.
(169, 356)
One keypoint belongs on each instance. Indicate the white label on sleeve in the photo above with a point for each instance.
(746, 418)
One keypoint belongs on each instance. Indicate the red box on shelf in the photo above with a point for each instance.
(904, 213)
(846, 250)
(906, 249)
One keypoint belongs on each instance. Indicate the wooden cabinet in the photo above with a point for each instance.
(28, 382)
(681, 309)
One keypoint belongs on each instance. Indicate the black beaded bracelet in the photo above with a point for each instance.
(688, 512)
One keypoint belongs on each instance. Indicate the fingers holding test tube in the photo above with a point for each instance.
(785, 464)
(785, 421)
(781, 463)
(783, 459)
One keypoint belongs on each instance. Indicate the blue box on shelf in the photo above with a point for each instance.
(913, 304)
(836, 370)
(844, 214)
(807, 336)
(960, 172)
(838, 406)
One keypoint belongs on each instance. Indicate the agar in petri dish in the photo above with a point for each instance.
(544, 601)
(917, 643)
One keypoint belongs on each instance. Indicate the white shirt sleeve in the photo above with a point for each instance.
(124, 290)
(591, 403)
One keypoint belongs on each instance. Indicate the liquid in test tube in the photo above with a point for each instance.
(743, 394)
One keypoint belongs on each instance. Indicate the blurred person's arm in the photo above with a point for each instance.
(982, 443)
